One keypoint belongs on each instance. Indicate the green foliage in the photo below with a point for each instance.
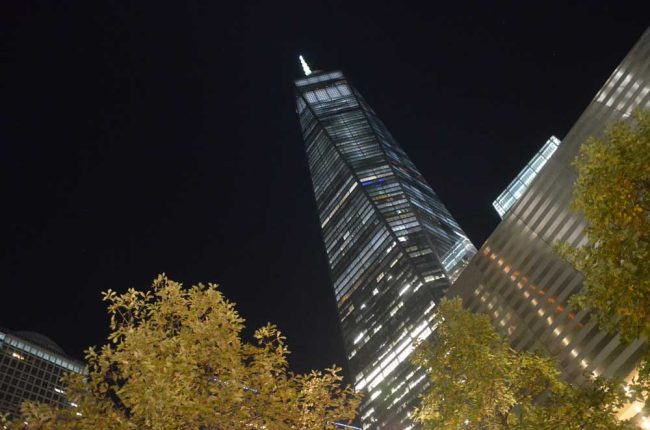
(175, 360)
(613, 192)
(479, 382)
(592, 406)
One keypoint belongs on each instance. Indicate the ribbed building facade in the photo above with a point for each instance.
(31, 367)
(391, 244)
(517, 278)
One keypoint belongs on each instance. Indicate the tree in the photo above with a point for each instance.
(613, 192)
(589, 407)
(479, 382)
(175, 360)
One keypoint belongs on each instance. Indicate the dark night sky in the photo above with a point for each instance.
(161, 137)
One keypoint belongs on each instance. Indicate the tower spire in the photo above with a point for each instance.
(305, 66)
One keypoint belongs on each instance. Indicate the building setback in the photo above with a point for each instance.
(520, 184)
(517, 278)
(31, 367)
(391, 244)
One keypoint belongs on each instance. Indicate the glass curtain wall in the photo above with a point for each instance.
(391, 244)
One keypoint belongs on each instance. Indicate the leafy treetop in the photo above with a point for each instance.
(176, 360)
(613, 192)
(479, 382)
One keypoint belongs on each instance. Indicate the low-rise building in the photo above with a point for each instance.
(31, 367)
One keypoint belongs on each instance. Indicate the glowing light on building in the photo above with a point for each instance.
(305, 66)
(518, 186)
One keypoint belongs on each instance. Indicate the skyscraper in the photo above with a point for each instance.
(517, 278)
(391, 244)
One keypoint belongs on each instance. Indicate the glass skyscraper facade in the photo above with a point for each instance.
(392, 246)
(31, 367)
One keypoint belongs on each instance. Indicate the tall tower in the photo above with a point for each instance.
(392, 246)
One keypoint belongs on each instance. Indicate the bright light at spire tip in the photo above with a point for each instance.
(305, 66)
